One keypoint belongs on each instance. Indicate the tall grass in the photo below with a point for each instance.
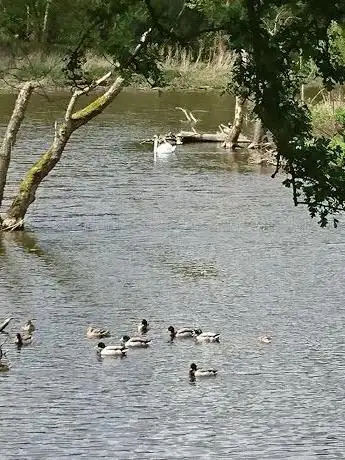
(36, 65)
(182, 68)
(204, 68)
(323, 109)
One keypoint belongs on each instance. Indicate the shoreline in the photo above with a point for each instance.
(12, 87)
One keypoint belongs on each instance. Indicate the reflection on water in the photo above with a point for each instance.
(199, 240)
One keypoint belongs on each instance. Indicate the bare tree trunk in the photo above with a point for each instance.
(14, 218)
(27, 21)
(258, 135)
(10, 136)
(238, 122)
(302, 85)
(45, 21)
(302, 93)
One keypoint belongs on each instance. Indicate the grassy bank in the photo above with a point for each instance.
(324, 109)
(180, 69)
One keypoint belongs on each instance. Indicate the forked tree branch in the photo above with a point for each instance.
(79, 92)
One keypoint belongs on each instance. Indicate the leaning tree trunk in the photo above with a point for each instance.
(237, 124)
(14, 218)
(12, 129)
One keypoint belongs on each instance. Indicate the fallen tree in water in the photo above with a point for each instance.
(262, 148)
(189, 137)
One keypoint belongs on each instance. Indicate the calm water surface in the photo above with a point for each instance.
(196, 240)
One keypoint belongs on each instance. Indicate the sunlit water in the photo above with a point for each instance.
(195, 240)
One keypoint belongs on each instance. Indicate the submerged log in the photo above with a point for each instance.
(188, 137)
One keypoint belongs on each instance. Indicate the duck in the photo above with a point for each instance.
(162, 149)
(97, 333)
(111, 350)
(206, 337)
(5, 324)
(139, 342)
(29, 327)
(265, 339)
(196, 372)
(183, 333)
(143, 327)
(22, 340)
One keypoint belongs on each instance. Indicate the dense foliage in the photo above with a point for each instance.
(272, 39)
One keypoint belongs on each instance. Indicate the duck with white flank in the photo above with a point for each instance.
(97, 333)
(196, 372)
(143, 327)
(138, 342)
(206, 337)
(265, 339)
(22, 340)
(183, 333)
(29, 327)
(111, 350)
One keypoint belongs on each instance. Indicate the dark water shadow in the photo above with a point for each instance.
(25, 240)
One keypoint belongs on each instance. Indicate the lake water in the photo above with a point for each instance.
(197, 240)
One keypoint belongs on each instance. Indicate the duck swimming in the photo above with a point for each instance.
(29, 327)
(195, 372)
(97, 333)
(143, 327)
(111, 350)
(139, 342)
(206, 337)
(265, 339)
(183, 333)
(22, 340)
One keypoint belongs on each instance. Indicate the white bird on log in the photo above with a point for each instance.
(5, 324)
